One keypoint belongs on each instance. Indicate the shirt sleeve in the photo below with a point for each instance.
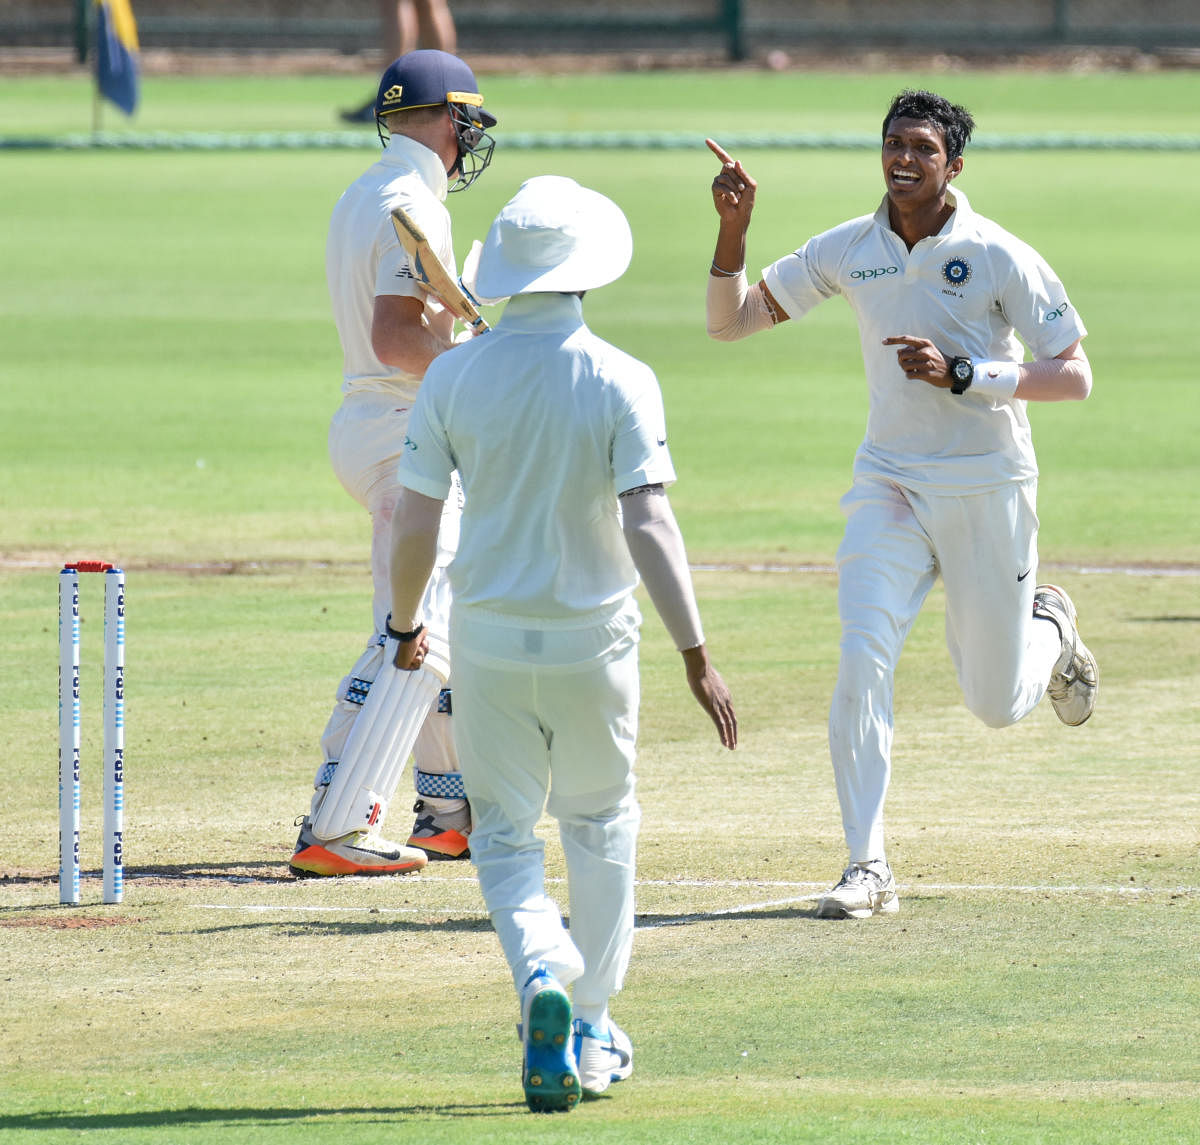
(427, 464)
(1035, 303)
(799, 281)
(639, 449)
(394, 274)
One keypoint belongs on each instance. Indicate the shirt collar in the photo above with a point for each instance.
(542, 313)
(956, 199)
(405, 152)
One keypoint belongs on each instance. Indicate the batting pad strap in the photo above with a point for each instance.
(357, 690)
(733, 310)
(439, 786)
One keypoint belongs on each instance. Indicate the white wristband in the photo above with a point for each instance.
(996, 379)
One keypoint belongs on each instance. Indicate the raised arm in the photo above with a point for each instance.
(733, 309)
(733, 192)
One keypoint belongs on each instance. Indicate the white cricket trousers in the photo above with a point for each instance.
(896, 543)
(552, 711)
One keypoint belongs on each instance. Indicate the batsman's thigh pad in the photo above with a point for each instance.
(376, 752)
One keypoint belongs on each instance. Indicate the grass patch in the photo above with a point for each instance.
(169, 371)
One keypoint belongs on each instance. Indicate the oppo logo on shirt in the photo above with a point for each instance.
(869, 273)
(1055, 315)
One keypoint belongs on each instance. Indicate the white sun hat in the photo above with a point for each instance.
(553, 236)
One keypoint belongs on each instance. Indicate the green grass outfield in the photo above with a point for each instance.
(168, 371)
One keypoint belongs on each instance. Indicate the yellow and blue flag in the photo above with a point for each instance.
(117, 54)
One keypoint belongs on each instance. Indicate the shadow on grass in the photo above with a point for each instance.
(254, 872)
(442, 922)
(151, 1118)
(652, 921)
(450, 921)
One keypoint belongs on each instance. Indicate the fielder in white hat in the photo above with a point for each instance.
(561, 444)
(553, 236)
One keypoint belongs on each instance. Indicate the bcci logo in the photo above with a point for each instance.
(957, 271)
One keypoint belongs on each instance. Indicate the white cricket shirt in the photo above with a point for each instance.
(363, 257)
(974, 290)
(546, 424)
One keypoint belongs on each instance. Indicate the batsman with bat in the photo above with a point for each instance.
(392, 323)
(945, 481)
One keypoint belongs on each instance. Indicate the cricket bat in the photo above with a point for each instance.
(430, 269)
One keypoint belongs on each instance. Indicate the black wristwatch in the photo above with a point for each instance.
(403, 637)
(962, 371)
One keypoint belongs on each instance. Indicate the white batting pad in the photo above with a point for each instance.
(376, 753)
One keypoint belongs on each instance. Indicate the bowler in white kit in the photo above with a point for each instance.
(945, 480)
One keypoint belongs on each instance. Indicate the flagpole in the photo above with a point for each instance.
(81, 31)
(90, 24)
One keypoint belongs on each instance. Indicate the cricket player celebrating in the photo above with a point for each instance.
(945, 479)
(431, 120)
(560, 441)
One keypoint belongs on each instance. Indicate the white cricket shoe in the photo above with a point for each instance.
(1075, 679)
(865, 889)
(603, 1056)
(548, 1071)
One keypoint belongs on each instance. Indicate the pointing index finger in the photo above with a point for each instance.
(719, 151)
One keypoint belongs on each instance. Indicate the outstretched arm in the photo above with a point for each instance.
(656, 546)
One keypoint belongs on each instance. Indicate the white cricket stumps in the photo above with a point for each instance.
(113, 817)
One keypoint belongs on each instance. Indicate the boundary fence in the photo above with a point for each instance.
(573, 141)
(735, 29)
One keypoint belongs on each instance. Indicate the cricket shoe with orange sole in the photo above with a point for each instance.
(360, 853)
(441, 828)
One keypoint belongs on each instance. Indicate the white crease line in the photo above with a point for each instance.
(674, 919)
